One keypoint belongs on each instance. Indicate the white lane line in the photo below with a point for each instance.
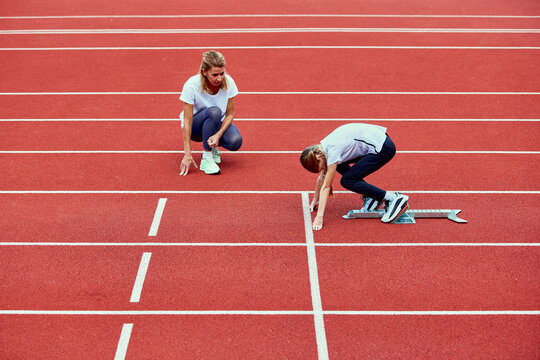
(277, 93)
(498, 152)
(157, 217)
(434, 313)
(223, 16)
(283, 47)
(269, 192)
(263, 312)
(276, 119)
(271, 31)
(141, 275)
(123, 343)
(148, 244)
(173, 244)
(320, 333)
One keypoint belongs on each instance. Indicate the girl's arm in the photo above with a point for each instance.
(323, 197)
(213, 140)
(187, 161)
(318, 186)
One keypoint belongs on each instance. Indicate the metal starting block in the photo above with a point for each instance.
(409, 216)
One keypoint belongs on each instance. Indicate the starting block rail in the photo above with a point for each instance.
(408, 216)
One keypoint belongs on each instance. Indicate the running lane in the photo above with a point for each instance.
(278, 135)
(85, 7)
(497, 106)
(393, 70)
(181, 278)
(243, 172)
(182, 336)
(20, 41)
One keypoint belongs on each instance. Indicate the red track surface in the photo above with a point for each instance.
(249, 252)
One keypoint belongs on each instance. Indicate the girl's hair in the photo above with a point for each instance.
(211, 59)
(311, 163)
(309, 160)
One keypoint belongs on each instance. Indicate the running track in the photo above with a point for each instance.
(108, 253)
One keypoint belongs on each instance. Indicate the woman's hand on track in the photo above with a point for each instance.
(313, 206)
(317, 223)
(187, 161)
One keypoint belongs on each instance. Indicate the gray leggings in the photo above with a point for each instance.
(207, 122)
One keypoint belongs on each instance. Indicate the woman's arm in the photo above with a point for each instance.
(213, 140)
(324, 194)
(187, 161)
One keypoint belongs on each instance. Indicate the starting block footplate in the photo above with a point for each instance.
(408, 216)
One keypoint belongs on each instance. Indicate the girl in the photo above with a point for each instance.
(368, 147)
(208, 114)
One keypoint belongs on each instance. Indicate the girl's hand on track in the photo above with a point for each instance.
(313, 206)
(317, 223)
(187, 161)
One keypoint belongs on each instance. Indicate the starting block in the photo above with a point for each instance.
(409, 216)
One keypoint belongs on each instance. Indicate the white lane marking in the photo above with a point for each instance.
(255, 152)
(157, 217)
(344, 120)
(282, 47)
(263, 312)
(123, 343)
(141, 275)
(222, 16)
(277, 93)
(498, 192)
(173, 244)
(320, 333)
(271, 31)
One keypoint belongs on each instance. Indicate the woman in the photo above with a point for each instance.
(208, 114)
(368, 147)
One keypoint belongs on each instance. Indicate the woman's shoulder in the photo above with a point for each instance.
(194, 80)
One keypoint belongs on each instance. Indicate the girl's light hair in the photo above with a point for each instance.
(211, 59)
(309, 160)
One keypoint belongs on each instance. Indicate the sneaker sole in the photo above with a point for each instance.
(400, 213)
(404, 206)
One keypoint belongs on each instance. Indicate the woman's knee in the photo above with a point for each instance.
(213, 113)
(234, 142)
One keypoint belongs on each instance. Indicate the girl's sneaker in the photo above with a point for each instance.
(216, 155)
(371, 204)
(209, 166)
(395, 208)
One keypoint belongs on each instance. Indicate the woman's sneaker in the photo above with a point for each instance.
(371, 204)
(395, 208)
(216, 155)
(209, 166)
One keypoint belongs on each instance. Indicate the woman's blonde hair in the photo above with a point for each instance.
(211, 59)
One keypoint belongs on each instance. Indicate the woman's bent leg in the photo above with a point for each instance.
(205, 124)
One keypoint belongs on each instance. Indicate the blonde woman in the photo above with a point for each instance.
(354, 151)
(208, 114)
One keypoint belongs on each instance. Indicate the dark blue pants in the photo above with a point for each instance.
(207, 122)
(353, 176)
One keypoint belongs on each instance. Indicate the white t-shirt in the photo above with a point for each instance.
(192, 93)
(351, 141)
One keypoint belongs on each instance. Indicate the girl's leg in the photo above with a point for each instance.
(353, 178)
(205, 124)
